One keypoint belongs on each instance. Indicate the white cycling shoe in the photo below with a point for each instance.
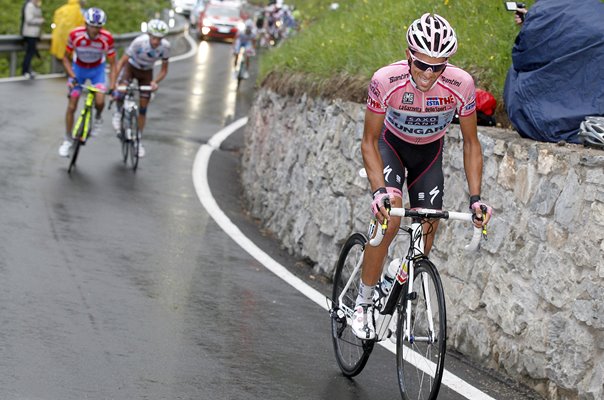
(141, 150)
(65, 147)
(116, 121)
(362, 322)
(97, 125)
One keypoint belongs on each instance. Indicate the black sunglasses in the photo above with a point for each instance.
(425, 66)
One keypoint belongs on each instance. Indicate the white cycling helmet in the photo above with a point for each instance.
(433, 36)
(592, 131)
(157, 28)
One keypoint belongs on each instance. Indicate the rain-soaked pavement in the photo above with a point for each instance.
(119, 285)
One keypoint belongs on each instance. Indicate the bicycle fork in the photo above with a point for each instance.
(418, 250)
(84, 119)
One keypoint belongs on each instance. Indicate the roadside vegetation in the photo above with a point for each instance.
(336, 52)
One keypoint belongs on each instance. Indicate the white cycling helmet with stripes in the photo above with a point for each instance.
(433, 36)
(592, 131)
(157, 28)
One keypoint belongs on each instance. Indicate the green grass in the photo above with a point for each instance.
(122, 16)
(364, 35)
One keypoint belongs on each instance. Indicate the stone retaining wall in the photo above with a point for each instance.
(530, 304)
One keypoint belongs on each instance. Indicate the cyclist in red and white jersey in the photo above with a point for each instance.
(88, 49)
(410, 105)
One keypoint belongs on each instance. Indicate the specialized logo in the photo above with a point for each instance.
(387, 171)
(439, 101)
(421, 196)
(434, 192)
(408, 98)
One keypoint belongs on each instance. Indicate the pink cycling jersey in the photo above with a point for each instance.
(88, 52)
(415, 116)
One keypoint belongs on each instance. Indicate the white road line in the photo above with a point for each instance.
(200, 181)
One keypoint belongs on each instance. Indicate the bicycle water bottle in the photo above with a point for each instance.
(389, 275)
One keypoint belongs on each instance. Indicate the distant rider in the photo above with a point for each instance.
(137, 63)
(245, 39)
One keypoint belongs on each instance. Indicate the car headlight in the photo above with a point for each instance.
(206, 22)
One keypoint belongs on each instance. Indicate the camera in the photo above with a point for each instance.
(513, 6)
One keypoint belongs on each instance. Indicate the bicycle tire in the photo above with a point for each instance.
(134, 140)
(420, 364)
(351, 352)
(241, 71)
(76, 145)
(123, 139)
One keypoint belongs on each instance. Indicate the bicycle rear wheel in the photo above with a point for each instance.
(352, 353)
(75, 150)
(134, 140)
(420, 358)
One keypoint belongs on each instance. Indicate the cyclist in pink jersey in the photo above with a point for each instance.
(88, 49)
(410, 105)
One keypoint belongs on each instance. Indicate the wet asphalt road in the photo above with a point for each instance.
(119, 285)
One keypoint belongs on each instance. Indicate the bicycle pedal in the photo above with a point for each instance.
(411, 296)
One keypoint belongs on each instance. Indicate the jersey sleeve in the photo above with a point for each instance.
(375, 95)
(70, 39)
(468, 105)
(131, 50)
(167, 48)
(110, 45)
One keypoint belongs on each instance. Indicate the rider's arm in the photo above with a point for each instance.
(472, 153)
(472, 157)
(163, 71)
(112, 71)
(121, 63)
(67, 64)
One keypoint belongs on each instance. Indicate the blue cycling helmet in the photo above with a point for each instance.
(95, 17)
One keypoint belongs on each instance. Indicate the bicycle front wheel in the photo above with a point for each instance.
(420, 357)
(134, 140)
(75, 148)
(352, 353)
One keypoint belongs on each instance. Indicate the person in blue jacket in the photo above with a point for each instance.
(557, 76)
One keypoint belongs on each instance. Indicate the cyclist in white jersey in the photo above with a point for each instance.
(410, 105)
(137, 63)
(246, 39)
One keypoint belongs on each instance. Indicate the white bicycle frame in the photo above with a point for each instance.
(382, 321)
(130, 103)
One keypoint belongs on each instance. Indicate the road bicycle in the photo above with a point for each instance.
(83, 126)
(412, 313)
(129, 132)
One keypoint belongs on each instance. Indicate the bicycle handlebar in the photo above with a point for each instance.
(144, 88)
(438, 214)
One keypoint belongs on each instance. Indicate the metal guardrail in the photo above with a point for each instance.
(13, 44)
